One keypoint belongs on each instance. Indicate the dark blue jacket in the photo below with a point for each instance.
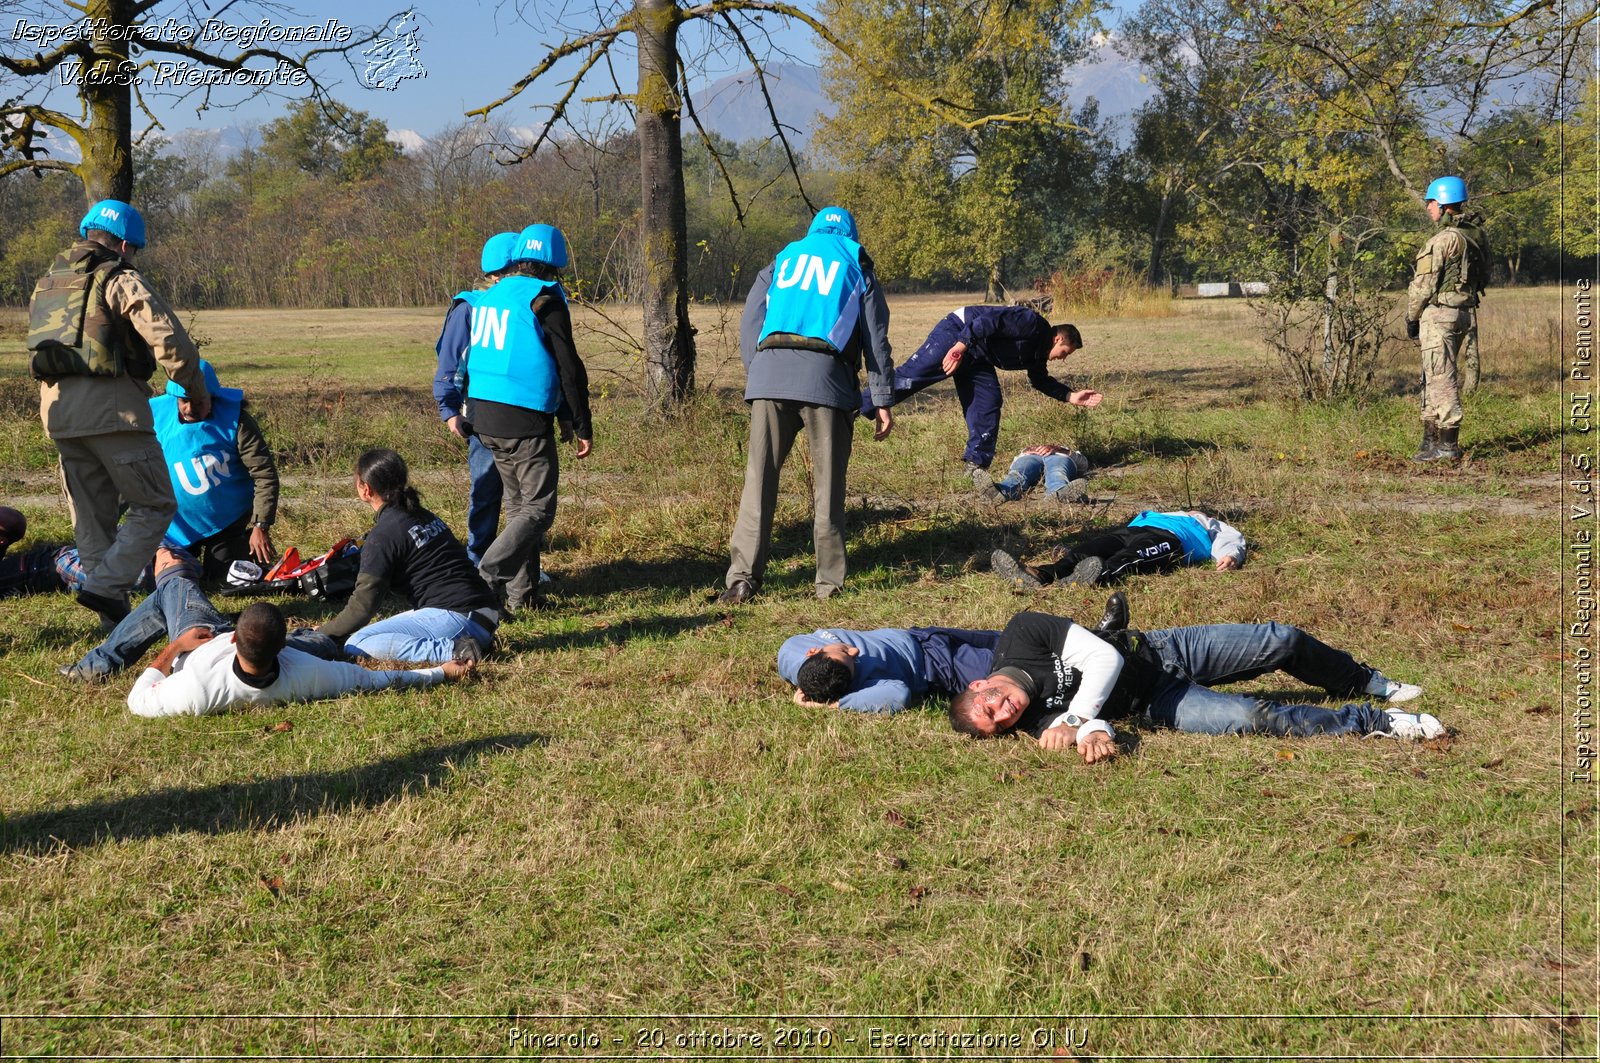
(1011, 337)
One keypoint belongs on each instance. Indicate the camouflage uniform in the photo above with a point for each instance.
(1443, 298)
(104, 432)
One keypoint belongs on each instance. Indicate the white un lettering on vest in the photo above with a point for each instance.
(423, 534)
(808, 270)
(209, 471)
(489, 327)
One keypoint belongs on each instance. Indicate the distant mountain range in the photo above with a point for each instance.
(733, 106)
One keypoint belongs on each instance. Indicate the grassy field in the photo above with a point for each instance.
(624, 818)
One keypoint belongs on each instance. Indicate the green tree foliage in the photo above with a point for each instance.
(1572, 153)
(1337, 117)
(944, 200)
(324, 138)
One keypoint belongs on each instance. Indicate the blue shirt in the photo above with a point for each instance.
(1190, 532)
(897, 664)
(888, 672)
(453, 340)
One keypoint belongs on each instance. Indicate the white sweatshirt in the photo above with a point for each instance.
(205, 682)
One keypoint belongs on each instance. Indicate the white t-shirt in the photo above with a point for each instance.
(206, 682)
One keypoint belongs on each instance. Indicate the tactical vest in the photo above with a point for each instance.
(1464, 279)
(508, 360)
(814, 300)
(209, 480)
(71, 331)
(1190, 532)
(1142, 670)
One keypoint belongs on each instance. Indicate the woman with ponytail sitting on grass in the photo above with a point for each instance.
(453, 613)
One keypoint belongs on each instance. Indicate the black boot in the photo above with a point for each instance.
(1449, 444)
(1116, 614)
(1429, 451)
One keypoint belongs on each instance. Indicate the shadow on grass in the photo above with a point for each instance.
(1108, 452)
(657, 626)
(228, 807)
(903, 536)
(689, 569)
(1534, 437)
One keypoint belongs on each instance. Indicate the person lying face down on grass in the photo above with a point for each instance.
(1150, 542)
(1061, 683)
(208, 668)
(883, 670)
(1064, 470)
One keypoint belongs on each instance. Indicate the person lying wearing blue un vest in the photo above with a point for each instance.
(223, 476)
(522, 378)
(453, 614)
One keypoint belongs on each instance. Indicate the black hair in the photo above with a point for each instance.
(527, 268)
(823, 678)
(385, 474)
(961, 713)
(1072, 334)
(260, 634)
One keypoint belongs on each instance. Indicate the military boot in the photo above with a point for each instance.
(1116, 614)
(1449, 444)
(1429, 450)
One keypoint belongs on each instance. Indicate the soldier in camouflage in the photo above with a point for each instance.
(1441, 310)
(96, 333)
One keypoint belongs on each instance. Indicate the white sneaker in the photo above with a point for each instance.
(1399, 692)
(1415, 726)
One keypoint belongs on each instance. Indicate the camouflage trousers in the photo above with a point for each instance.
(1470, 360)
(1443, 330)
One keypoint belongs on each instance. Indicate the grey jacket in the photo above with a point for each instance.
(813, 376)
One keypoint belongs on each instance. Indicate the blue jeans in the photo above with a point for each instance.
(176, 605)
(1028, 469)
(421, 636)
(1196, 657)
(483, 500)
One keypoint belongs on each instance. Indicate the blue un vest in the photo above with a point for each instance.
(507, 360)
(209, 479)
(817, 283)
(1190, 532)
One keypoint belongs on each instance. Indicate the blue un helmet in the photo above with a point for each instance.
(497, 252)
(117, 218)
(541, 243)
(1447, 191)
(836, 221)
(213, 385)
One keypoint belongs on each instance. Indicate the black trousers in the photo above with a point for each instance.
(1124, 552)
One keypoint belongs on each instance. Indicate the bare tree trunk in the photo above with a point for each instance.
(1158, 239)
(108, 154)
(668, 336)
